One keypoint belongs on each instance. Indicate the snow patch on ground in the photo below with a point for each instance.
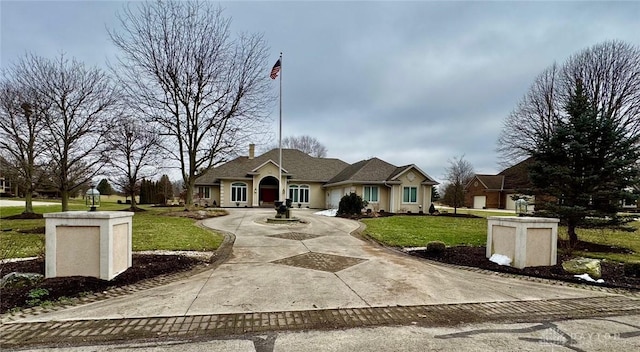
(586, 277)
(500, 259)
(328, 212)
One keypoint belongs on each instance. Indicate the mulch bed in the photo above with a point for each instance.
(144, 266)
(613, 273)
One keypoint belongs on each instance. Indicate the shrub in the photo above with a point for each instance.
(432, 209)
(37, 296)
(351, 204)
(436, 247)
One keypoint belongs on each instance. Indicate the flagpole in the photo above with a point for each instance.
(281, 190)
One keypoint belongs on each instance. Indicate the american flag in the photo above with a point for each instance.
(275, 70)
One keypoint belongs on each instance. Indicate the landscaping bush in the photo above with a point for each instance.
(436, 247)
(351, 204)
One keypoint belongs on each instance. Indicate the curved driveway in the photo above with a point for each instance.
(306, 266)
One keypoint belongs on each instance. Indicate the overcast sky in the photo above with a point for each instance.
(408, 82)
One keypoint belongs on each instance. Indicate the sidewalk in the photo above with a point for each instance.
(313, 275)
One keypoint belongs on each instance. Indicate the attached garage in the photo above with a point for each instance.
(334, 198)
(479, 202)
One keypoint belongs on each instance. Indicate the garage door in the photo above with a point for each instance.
(334, 198)
(479, 202)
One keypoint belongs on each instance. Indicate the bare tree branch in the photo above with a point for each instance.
(134, 152)
(306, 144)
(21, 137)
(458, 173)
(80, 103)
(182, 71)
(610, 72)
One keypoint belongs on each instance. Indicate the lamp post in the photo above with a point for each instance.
(521, 207)
(92, 198)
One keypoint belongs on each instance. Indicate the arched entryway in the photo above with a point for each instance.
(268, 192)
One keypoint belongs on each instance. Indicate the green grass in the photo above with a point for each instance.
(623, 239)
(417, 231)
(152, 230)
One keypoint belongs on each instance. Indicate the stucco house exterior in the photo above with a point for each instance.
(252, 181)
(496, 191)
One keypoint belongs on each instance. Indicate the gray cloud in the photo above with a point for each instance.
(408, 82)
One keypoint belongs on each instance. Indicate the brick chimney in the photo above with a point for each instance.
(252, 148)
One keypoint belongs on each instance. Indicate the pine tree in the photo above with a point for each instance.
(104, 187)
(165, 189)
(144, 192)
(586, 162)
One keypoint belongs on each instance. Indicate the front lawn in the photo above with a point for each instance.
(152, 230)
(417, 231)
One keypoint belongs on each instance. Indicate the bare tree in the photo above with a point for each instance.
(21, 138)
(458, 173)
(183, 71)
(81, 101)
(306, 144)
(135, 153)
(610, 72)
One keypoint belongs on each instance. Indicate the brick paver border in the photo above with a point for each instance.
(82, 332)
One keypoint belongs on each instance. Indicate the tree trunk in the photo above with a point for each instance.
(188, 196)
(28, 202)
(65, 200)
(571, 230)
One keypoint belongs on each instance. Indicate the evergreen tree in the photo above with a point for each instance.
(435, 196)
(104, 187)
(144, 192)
(585, 162)
(351, 204)
(165, 189)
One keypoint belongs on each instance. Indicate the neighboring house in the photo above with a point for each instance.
(497, 191)
(252, 181)
(632, 204)
(5, 181)
(5, 187)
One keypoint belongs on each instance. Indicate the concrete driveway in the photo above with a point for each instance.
(312, 265)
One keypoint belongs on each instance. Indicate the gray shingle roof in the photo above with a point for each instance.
(373, 170)
(366, 171)
(300, 166)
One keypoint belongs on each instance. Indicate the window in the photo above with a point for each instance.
(299, 193)
(238, 192)
(410, 194)
(371, 194)
(204, 192)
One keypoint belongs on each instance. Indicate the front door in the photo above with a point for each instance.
(268, 191)
(268, 195)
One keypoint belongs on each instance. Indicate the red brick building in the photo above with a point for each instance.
(496, 191)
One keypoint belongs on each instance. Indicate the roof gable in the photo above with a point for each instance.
(490, 182)
(255, 170)
(403, 169)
